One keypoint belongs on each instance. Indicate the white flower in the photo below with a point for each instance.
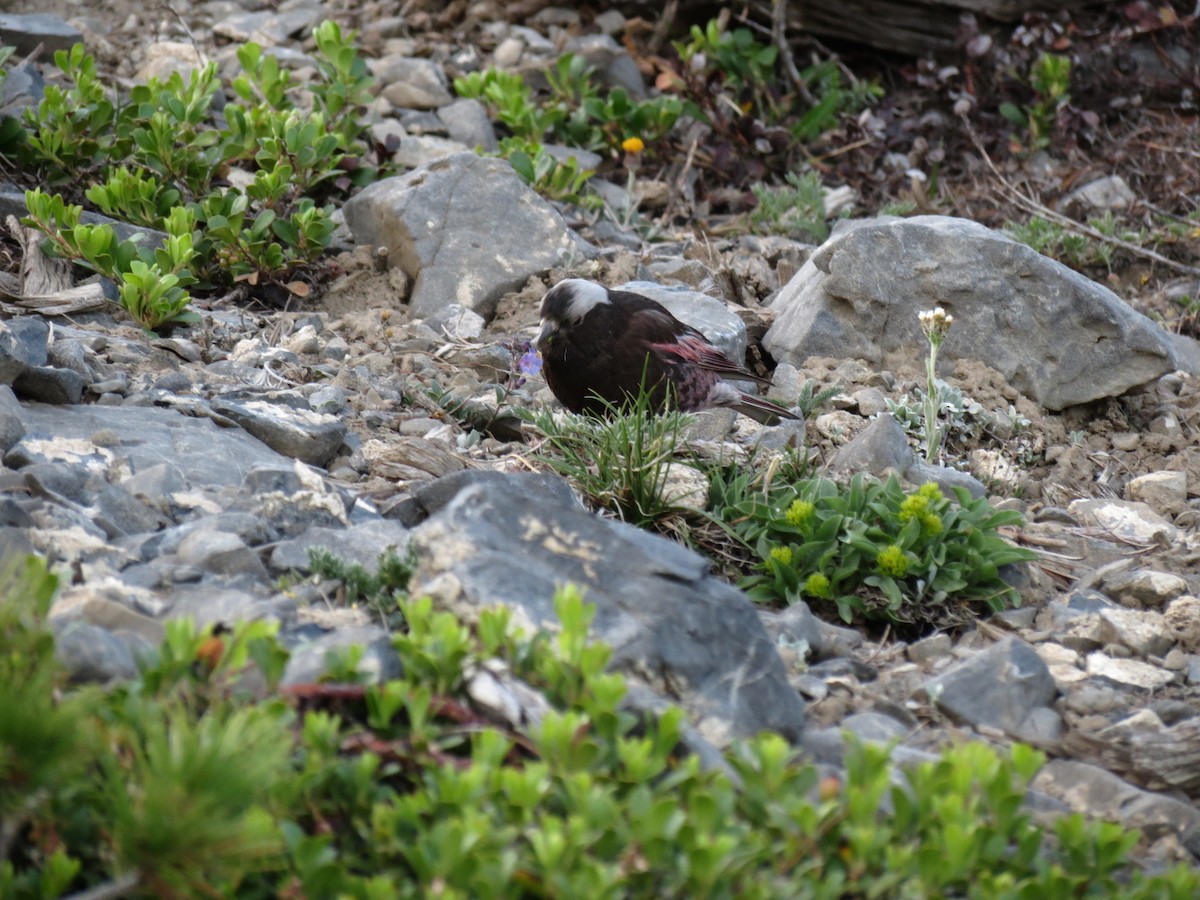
(935, 322)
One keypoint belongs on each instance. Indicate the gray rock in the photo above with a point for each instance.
(23, 89)
(208, 454)
(220, 553)
(45, 384)
(691, 272)
(208, 604)
(936, 646)
(422, 121)
(434, 496)
(1109, 192)
(883, 446)
(268, 28)
(874, 727)
(360, 544)
(612, 62)
(1134, 522)
(419, 149)
(89, 653)
(456, 322)
(310, 659)
(29, 32)
(23, 345)
(1163, 492)
(119, 511)
(467, 122)
(11, 428)
(302, 434)
(1056, 336)
(1099, 794)
(439, 226)
(999, 687)
(73, 355)
(798, 624)
(880, 446)
(413, 83)
(706, 314)
(1145, 588)
(689, 636)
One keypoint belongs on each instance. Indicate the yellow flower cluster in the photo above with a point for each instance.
(916, 506)
(782, 555)
(799, 513)
(817, 585)
(892, 561)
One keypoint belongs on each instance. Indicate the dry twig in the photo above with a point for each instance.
(1033, 206)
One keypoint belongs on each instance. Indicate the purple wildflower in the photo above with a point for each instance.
(531, 362)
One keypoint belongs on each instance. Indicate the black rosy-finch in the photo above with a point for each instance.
(600, 346)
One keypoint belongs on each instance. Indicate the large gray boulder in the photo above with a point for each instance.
(466, 229)
(672, 626)
(1058, 337)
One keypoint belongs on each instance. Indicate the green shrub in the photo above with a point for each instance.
(189, 781)
(869, 547)
(158, 157)
(727, 75)
(575, 112)
(1050, 79)
(796, 210)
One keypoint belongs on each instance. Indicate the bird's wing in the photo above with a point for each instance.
(693, 347)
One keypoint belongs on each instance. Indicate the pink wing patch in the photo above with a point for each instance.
(693, 348)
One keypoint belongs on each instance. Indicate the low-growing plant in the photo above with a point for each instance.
(152, 282)
(175, 785)
(871, 548)
(731, 80)
(574, 112)
(380, 590)
(1073, 248)
(811, 399)
(551, 177)
(796, 210)
(157, 155)
(622, 461)
(1050, 79)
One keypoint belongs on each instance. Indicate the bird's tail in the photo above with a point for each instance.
(763, 411)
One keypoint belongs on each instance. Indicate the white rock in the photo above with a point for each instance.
(1164, 492)
(165, 58)
(1129, 521)
(1142, 631)
(1056, 654)
(685, 486)
(1182, 621)
(1127, 671)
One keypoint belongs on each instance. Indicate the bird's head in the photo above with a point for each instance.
(565, 306)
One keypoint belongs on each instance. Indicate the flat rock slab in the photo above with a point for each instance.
(27, 32)
(689, 636)
(302, 434)
(1057, 337)
(139, 438)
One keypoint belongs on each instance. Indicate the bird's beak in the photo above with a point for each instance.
(547, 332)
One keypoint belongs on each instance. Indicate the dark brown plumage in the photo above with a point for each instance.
(598, 344)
